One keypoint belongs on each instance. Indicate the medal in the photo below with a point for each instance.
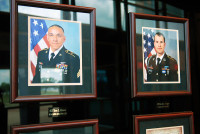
(62, 66)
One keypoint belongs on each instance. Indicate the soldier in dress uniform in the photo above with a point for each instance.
(161, 67)
(58, 57)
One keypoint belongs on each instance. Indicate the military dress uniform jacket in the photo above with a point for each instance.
(167, 70)
(65, 59)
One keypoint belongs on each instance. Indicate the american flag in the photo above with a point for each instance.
(148, 43)
(38, 41)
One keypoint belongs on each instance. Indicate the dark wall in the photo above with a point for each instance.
(114, 107)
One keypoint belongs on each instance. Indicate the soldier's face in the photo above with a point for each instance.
(55, 37)
(159, 45)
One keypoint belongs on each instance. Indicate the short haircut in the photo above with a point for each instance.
(159, 34)
(55, 25)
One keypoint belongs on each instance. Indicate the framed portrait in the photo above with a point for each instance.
(72, 127)
(53, 51)
(170, 123)
(40, 71)
(160, 59)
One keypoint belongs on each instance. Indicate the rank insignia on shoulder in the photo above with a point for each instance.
(70, 53)
(45, 49)
(171, 58)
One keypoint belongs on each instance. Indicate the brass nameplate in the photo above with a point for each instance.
(57, 112)
(161, 105)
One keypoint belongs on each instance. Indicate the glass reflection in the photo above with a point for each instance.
(53, 13)
(4, 86)
(5, 76)
(175, 11)
(148, 3)
(135, 9)
(83, 17)
(4, 5)
(78, 130)
(51, 75)
(43, 12)
(123, 16)
(104, 11)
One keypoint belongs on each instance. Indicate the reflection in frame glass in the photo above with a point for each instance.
(72, 127)
(176, 123)
(160, 60)
(39, 28)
